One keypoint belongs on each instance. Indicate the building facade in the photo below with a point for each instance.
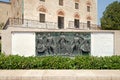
(38, 27)
(5, 11)
(55, 14)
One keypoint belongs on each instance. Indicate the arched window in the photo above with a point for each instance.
(88, 8)
(76, 16)
(88, 3)
(89, 18)
(77, 1)
(76, 20)
(89, 21)
(61, 2)
(61, 15)
(42, 9)
(42, 15)
(42, 0)
(77, 4)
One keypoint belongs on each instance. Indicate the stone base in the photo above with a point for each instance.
(59, 74)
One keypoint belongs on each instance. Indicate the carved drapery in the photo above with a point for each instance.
(63, 43)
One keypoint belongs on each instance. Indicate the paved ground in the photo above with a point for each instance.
(59, 74)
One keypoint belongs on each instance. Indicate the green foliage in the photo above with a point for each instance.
(97, 62)
(57, 62)
(1, 25)
(0, 46)
(111, 17)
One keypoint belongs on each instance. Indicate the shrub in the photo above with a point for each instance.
(0, 47)
(1, 25)
(58, 62)
(89, 62)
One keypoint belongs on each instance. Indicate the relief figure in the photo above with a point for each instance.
(50, 44)
(40, 45)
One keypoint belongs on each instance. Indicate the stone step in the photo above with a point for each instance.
(59, 74)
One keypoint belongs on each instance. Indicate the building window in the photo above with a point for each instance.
(76, 23)
(88, 24)
(42, 0)
(61, 2)
(42, 18)
(60, 14)
(88, 8)
(60, 22)
(76, 5)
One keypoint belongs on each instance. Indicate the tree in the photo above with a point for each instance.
(111, 17)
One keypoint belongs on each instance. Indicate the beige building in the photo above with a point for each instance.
(5, 11)
(30, 17)
(55, 14)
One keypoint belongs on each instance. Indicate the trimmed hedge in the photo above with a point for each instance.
(0, 47)
(58, 62)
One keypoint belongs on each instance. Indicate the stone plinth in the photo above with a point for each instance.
(59, 74)
(109, 37)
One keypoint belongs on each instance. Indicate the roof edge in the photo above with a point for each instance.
(5, 2)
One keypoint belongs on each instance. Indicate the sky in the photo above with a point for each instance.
(102, 4)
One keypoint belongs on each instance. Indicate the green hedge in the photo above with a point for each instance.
(57, 62)
(0, 47)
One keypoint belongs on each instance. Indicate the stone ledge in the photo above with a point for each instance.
(59, 74)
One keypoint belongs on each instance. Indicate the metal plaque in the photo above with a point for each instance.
(63, 43)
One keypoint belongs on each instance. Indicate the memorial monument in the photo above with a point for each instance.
(56, 27)
(63, 43)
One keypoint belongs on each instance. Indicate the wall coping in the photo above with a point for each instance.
(26, 29)
(5, 2)
(59, 74)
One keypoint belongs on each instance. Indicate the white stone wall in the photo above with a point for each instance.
(31, 10)
(23, 44)
(102, 44)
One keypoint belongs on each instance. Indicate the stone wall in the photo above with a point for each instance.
(103, 43)
(5, 11)
(23, 42)
(17, 8)
(32, 9)
(117, 43)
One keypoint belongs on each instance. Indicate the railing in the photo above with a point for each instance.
(6, 24)
(46, 25)
(30, 23)
(34, 23)
(83, 26)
